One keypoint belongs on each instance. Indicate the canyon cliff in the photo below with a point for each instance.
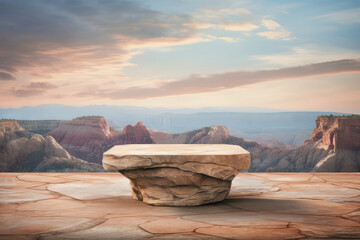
(21, 153)
(206, 135)
(333, 147)
(39, 126)
(88, 137)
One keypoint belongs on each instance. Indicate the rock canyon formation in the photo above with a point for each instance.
(21, 153)
(89, 137)
(334, 145)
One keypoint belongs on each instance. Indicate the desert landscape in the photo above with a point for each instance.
(179, 119)
(79, 144)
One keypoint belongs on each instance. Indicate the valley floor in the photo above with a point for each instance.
(100, 206)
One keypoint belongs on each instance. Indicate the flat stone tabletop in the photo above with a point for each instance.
(178, 174)
(64, 206)
(176, 149)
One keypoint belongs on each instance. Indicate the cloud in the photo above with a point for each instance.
(238, 26)
(270, 24)
(49, 37)
(41, 85)
(277, 32)
(28, 92)
(347, 16)
(34, 89)
(6, 76)
(217, 82)
(237, 19)
(306, 54)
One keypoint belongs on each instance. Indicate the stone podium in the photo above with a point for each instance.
(178, 174)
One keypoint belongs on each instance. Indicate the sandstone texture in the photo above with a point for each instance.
(21, 153)
(69, 206)
(333, 147)
(178, 174)
(206, 135)
(90, 136)
(9, 130)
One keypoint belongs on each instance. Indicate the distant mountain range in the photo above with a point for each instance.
(333, 147)
(261, 124)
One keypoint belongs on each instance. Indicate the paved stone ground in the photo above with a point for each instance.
(100, 206)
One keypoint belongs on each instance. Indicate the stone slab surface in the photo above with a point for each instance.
(259, 206)
(178, 174)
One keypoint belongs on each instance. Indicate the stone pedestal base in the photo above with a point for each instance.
(175, 187)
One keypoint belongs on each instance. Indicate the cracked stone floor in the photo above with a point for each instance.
(100, 206)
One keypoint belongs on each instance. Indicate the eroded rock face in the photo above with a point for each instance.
(337, 133)
(20, 153)
(178, 174)
(206, 135)
(10, 129)
(333, 147)
(135, 134)
(88, 137)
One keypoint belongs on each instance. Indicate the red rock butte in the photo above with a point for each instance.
(338, 133)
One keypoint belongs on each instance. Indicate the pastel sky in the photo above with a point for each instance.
(287, 55)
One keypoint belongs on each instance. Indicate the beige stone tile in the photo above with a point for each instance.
(95, 177)
(9, 174)
(316, 179)
(20, 224)
(17, 237)
(175, 225)
(185, 236)
(18, 195)
(291, 206)
(14, 182)
(247, 186)
(251, 232)
(314, 219)
(8, 208)
(347, 184)
(286, 177)
(313, 191)
(40, 187)
(70, 213)
(51, 204)
(126, 206)
(238, 218)
(115, 228)
(31, 209)
(354, 216)
(89, 190)
(325, 230)
(343, 177)
(42, 178)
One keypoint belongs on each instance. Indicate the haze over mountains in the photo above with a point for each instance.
(263, 125)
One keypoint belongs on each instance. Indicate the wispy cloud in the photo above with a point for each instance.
(6, 76)
(41, 85)
(34, 89)
(217, 82)
(345, 16)
(59, 36)
(238, 19)
(238, 26)
(305, 54)
(276, 31)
